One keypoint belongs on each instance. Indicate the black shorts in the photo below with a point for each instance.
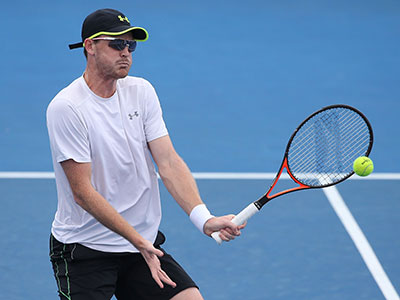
(82, 273)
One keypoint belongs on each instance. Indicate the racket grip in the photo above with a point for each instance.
(239, 219)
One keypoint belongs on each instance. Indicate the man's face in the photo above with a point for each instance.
(112, 63)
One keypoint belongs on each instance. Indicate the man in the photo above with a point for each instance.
(103, 129)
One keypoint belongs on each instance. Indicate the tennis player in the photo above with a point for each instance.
(104, 130)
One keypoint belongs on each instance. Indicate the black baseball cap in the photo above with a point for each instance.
(108, 22)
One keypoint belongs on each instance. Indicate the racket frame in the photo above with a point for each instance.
(285, 164)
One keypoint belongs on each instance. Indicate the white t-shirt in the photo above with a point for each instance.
(111, 134)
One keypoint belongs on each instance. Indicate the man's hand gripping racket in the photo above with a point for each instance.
(320, 153)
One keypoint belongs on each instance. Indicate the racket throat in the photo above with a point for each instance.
(268, 197)
(285, 167)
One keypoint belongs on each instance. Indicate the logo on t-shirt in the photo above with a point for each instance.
(135, 114)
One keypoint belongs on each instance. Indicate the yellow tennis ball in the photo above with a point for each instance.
(363, 166)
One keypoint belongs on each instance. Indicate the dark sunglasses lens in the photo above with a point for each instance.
(131, 46)
(121, 44)
(117, 44)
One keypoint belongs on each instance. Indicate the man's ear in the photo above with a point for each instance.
(89, 46)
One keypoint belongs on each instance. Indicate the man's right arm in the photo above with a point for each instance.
(79, 178)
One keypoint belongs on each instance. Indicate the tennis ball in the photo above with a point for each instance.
(363, 166)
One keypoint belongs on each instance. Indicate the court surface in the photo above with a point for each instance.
(234, 79)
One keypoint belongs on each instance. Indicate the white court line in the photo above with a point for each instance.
(206, 175)
(252, 176)
(361, 243)
(26, 175)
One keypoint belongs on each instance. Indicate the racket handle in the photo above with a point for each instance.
(239, 219)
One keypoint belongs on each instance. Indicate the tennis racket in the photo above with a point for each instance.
(320, 153)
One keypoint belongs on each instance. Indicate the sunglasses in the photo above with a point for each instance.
(119, 44)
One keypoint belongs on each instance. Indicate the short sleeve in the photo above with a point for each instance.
(67, 132)
(154, 125)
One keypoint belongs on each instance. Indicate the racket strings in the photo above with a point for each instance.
(305, 140)
(329, 142)
(309, 134)
(324, 148)
(347, 149)
(329, 163)
(304, 150)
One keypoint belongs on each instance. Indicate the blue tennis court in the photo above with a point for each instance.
(234, 79)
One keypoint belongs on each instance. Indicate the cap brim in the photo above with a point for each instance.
(139, 34)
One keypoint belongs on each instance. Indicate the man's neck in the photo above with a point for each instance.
(104, 88)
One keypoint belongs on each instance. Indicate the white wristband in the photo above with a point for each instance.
(199, 216)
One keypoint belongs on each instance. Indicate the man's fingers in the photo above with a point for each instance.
(158, 280)
(231, 231)
(221, 224)
(160, 276)
(151, 254)
(158, 252)
(165, 278)
(243, 225)
(226, 235)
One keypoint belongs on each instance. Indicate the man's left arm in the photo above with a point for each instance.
(180, 183)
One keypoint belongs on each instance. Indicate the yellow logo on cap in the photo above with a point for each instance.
(123, 19)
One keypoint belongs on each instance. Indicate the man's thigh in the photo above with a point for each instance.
(135, 280)
(82, 273)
